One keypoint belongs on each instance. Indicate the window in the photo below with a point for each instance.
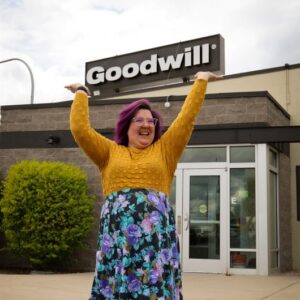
(242, 218)
(207, 154)
(242, 154)
(273, 159)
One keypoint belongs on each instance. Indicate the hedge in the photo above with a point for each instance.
(46, 209)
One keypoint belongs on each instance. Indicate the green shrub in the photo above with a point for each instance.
(1, 216)
(46, 210)
(1, 186)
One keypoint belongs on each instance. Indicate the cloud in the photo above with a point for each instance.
(57, 37)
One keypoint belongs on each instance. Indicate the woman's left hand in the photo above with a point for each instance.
(208, 76)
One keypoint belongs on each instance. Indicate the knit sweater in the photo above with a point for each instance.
(127, 167)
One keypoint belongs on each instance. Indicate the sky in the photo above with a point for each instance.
(57, 37)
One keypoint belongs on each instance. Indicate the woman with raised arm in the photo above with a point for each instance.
(138, 251)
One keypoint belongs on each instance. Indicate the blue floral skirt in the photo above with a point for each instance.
(138, 251)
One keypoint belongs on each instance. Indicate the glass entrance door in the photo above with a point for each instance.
(204, 217)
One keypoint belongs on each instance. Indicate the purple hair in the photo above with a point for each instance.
(125, 117)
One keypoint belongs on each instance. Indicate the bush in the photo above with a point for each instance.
(1, 186)
(1, 216)
(46, 210)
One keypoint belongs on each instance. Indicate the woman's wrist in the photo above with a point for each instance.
(83, 88)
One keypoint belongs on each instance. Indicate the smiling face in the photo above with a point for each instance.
(141, 135)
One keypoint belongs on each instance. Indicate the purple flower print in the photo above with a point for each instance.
(107, 243)
(156, 201)
(153, 198)
(121, 198)
(119, 267)
(162, 196)
(103, 284)
(175, 251)
(107, 292)
(154, 217)
(150, 252)
(105, 289)
(166, 256)
(117, 205)
(133, 283)
(146, 225)
(133, 233)
(104, 209)
(154, 276)
(125, 203)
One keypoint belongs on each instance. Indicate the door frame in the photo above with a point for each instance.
(183, 173)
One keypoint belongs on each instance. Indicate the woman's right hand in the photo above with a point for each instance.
(74, 86)
(208, 76)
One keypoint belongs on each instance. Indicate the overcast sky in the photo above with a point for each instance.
(57, 37)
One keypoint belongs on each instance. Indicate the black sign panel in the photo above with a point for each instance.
(158, 66)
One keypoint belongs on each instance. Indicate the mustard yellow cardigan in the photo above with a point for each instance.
(125, 167)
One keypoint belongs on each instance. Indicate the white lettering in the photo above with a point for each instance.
(149, 66)
(187, 57)
(113, 73)
(205, 53)
(130, 70)
(95, 75)
(196, 55)
(192, 56)
(170, 61)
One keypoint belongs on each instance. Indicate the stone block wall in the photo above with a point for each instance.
(285, 230)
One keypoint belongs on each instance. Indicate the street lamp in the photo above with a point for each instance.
(30, 72)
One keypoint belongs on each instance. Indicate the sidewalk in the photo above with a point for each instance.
(196, 287)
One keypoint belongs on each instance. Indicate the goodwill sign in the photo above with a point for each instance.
(164, 65)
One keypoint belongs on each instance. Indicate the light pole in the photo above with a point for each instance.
(30, 72)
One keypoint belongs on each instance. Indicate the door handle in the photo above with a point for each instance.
(186, 219)
(178, 225)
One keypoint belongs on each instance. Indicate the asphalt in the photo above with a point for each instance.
(196, 287)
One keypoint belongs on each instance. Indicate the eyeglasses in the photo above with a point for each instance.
(141, 121)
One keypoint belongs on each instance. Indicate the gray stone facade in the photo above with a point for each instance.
(284, 204)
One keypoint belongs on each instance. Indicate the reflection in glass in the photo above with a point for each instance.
(209, 154)
(204, 217)
(243, 259)
(242, 154)
(274, 260)
(273, 159)
(242, 208)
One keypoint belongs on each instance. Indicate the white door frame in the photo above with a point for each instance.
(182, 209)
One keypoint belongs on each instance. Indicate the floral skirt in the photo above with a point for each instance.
(138, 250)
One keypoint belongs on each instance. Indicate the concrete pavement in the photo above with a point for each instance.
(196, 287)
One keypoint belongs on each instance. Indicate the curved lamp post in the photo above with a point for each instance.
(30, 72)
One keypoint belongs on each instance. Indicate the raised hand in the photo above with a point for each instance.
(208, 76)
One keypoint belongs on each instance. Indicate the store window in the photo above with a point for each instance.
(273, 159)
(242, 218)
(205, 154)
(242, 154)
(204, 217)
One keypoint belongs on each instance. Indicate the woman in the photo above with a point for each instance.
(138, 254)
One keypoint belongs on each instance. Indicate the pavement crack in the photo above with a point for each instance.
(280, 290)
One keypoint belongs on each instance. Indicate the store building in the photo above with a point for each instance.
(234, 190)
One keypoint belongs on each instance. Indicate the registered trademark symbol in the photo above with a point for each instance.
(213, 46)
